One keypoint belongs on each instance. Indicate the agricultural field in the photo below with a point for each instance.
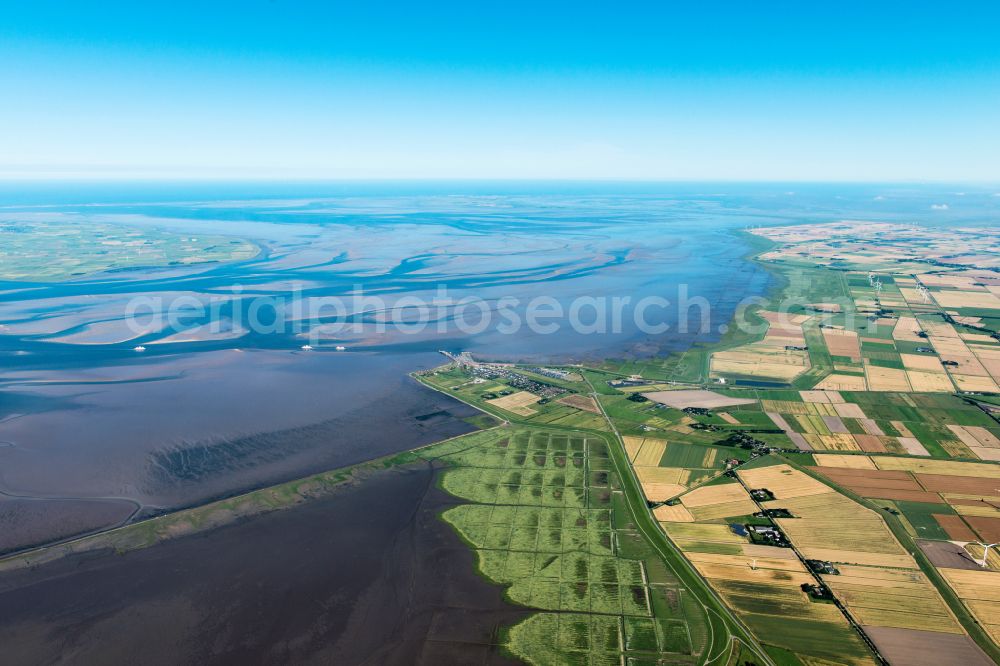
(979, 590)
(666, 469)
(516, 403)
(760, 582)
(778, 356)
(501, 398)
(904, 423)
(865, 381)
(948, 507)
(876, 579)
(904, 317)
(896, 248)
(936, 499)
(542, 517)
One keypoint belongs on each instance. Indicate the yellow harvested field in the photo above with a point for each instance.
(846, 462)
(837, 382)
(842, 343)
(724, 510)
(886, 379)
(743, 572)
(755, 550)
(826, 521)
(858, 557)
(912, 446)
(965, 364)
(651, 452)
(759, 360)
(871, 575)
(632, 446)
(642, 388)
(975, 436)
(974, 583)
(967, 299)
(582, 402)
(661, 483)
(850, 410)
(867, 535)
(901, 428)
(922, 618)
(728, 418)
(892, 598)
(938, 280)
(960, 496)
(710, 532)
(981, 510)
(929, 382)
(906, 329)
(977, 384)
(940, 329)
(516, 403)
(786, 407)
(921, 362)
(834, 442)
(715, 494)
(984, 453)
(979, 590)
(677, 513)
(986, 352)
(948, 467)
(750, 561)
(654, 474)
(747, 562)
(660, 492)
(783, 481)
(696, 398)
(946, 346)
(821, 396)
(825, 307)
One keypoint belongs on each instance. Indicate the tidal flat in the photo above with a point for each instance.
(368, 574)
(196, 414)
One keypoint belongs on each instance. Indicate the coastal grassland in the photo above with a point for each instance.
(545, 516)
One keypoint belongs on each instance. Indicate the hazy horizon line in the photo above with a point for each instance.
(7, 178)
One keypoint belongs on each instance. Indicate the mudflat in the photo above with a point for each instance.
(367, 575)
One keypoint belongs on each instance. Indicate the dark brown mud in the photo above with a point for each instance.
(369, 575)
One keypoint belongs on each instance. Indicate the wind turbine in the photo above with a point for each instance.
(986, 551)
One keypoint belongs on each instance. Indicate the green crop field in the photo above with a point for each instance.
(679, 454)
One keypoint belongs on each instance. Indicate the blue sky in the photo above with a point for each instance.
(294, 89)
